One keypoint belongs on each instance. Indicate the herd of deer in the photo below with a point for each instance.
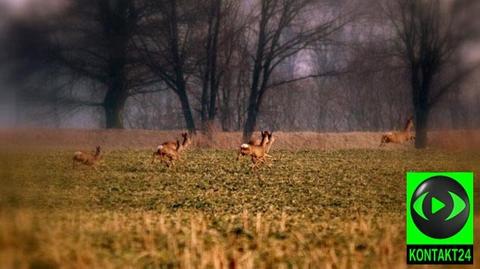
(258, 149)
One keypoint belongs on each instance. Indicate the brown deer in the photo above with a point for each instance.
(187, 141)
(254, 142)
(87, 158)
(271, 140)
(257, 153)
(400, 136)
(172, 150)
(166, 150)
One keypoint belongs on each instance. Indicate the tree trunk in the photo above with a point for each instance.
(212, 112)
(210, 83)
(421, 127)
(253, 102)
(117, 94)
(117, 33)
(253, 107)
(113, 105)
(250, 124)
(214, 79)
(421, 88)
(187, 112)
(206, 82)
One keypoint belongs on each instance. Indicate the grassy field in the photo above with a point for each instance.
(311, 209)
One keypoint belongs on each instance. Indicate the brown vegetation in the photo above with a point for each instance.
(33, 139)
(212, 212)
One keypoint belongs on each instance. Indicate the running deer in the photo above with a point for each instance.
(167, 150)
(172, 150)
(87, 158)
(254, 142)
(258, 153)
(271, 140)
(187, 141)
(400, 136)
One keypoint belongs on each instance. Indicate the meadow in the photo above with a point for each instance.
(310, 209)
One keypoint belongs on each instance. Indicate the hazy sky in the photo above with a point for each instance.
(20, 7)
(16, 4)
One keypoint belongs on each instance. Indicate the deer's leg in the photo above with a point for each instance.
(239, 155)
(163, 158)
(166, 162)
(267, 156)
(253, 162)
(268, 159)
(383, 141)
(172, 161)
(262, 159)
(154, 156)
(256, 161)
(169, 160)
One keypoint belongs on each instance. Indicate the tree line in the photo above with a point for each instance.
(241, 64)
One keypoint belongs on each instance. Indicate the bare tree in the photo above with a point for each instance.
(166, 44)
(94, 43)
(210, 73)
(289, 65)
(233, 68)
(428, 37)
(273, 46)
(88, 58)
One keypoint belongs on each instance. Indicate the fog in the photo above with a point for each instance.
(331, 66)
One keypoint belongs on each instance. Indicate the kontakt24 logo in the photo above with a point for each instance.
(439, 220)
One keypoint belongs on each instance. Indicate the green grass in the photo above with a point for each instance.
(338, 209)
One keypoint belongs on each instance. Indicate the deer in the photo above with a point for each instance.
(257, 152)
(400, 136)
(271, 140)
(87, 158)
(167, 150)
(187, 141)
(254, 142)
(172, 150)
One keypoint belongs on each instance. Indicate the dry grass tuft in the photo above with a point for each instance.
(145, 139)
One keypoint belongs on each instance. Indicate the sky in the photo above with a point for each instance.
(22, 7)
(16, 5)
